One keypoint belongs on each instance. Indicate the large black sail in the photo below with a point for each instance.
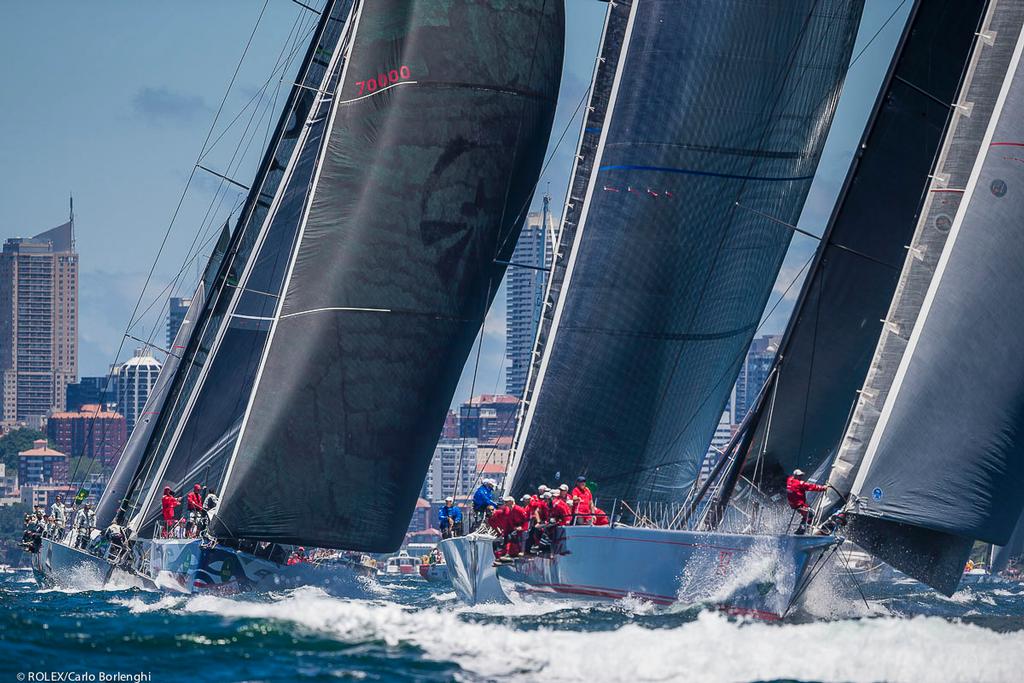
(201, 415)
(715, 121)
(434, 149)
(939, 421)
(825, 352)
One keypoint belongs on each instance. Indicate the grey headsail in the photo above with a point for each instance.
(704, 134)
(827, 347)
(935, 448)
(295, 133)
(432, 153)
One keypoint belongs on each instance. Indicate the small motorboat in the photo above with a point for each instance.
(401, 565)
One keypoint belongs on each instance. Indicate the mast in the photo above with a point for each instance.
(658, 286)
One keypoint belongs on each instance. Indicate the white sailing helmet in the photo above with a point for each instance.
(449, 499)
(563, 487)
(798, 472)
(525, 497)
(490, 482)
(509, 498)
(542, 488)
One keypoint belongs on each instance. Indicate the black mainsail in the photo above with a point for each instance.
(825, 352)
(431, 152)
(934, 455)
(704, 132)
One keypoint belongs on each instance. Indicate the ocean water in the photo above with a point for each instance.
(413, 631)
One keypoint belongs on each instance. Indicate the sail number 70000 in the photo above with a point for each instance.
(402, 73)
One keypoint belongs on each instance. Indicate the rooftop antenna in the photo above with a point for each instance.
(71, 218)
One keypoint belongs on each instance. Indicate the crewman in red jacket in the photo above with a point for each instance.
(585, 502)
(194, 504)
(796, 495)
(504, 522)
(167, 505)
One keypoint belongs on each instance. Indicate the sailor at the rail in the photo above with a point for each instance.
(449, 517)
(484, 502)
(796, 495)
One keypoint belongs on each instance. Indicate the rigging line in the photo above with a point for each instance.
(472, 385)
(544, 168)
(223, 177)
(302, 4)
(170, 225)
(520, 215)
(877, 33)
(298, 42)
(219, 197)
(513, 264)
(234, 253)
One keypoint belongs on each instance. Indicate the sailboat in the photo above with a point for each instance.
(679, 213)
(327, 336)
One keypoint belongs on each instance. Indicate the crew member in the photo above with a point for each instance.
(167, 505)
(501, 522)
(796, 495)
(450, 518)
(59, 514)
(194, 503)
(297, 557)
(561, 513)
(484, 502)
(85, 521)
(585, 502)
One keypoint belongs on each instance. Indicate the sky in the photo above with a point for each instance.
(114, 101)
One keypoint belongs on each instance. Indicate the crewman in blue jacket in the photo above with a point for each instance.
(449, 518)
(484, 501)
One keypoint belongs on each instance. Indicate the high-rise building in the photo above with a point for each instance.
(92, 431)
(753, 374)
(488, 416)
(452, 470)
(135, 379)
(38, 323)
(524, 295)
(177, 307)
(90, 391)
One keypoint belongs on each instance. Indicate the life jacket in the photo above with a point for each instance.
(796, 492)
(167, 504)
(560, 512)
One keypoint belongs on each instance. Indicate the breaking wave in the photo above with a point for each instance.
(711, 647)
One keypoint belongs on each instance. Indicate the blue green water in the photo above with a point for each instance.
(418, 632)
